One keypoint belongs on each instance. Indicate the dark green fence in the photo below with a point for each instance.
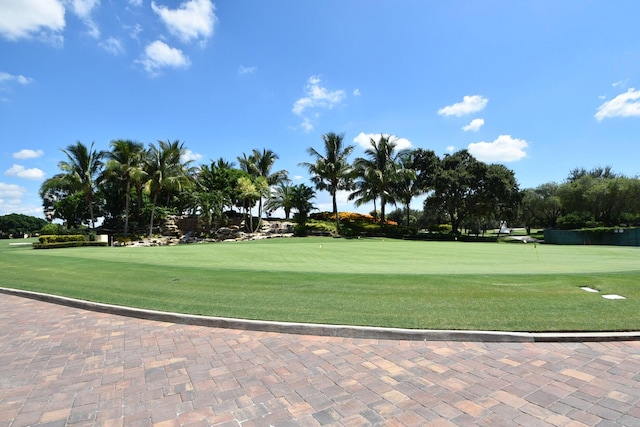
(616, 237)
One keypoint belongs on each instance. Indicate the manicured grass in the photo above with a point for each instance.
(380, 282)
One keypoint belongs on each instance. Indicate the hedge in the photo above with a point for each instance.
(73, 244)
(62, 238)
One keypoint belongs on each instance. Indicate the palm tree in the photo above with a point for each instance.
(81, 171)
(405, 186)
(281, 197)
(331, 171)
(249, 191)
(301, 196)
(126, 160)
(165, 171)
(259, 164)
(380, 167)
(366, 187)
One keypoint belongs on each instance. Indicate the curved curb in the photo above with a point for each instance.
(344, 331)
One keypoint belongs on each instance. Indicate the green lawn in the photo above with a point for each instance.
(379, 282)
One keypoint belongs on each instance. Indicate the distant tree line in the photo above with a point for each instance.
(17, 225)
(131, 186)
(587, 199)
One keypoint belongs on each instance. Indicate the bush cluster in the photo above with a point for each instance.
(348, 217)
(62, 238)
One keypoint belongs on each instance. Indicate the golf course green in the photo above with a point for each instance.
(369, 282)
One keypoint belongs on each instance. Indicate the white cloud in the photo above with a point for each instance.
(189, 155)
(474, 126)
(83, 9)
(113, 46)
(135, 31)
(11, 191)
(43, 19)
(194, 19)
(306, 125)
(242, 70)
(364, 140)
(159, 55)
(503, 149)
(28, 154)
(626, 104)
(450, 148)
(469, 104)
(620, 83)
(22, 172)
(135, 3)
(356, 92)
(6, 78)
(317, 96)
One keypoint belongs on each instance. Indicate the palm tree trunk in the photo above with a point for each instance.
(408, 214)
(153, 211)
(127, 200)
(93, 220)
(335, 211)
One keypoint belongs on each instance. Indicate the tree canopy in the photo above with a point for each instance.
(130, 185)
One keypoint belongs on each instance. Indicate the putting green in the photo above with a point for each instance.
(385, 256)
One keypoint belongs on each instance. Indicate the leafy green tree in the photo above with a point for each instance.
(472, 192)
(331, 170)
(501, 195)
(126, 165)
(426, 165)
(214, 190)
(541, 206)
(457, 187)
(18, 224)
(598, 197)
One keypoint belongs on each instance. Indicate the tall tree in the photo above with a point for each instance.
(301, 196)
(331, 171)
(281, 198)
(126, 164)
(405, 186)
(260, 164)
(366, 188)
(457, 187)
(380, 164)
(249, 190)
(165, 171)
(465, 188)
(81, 171)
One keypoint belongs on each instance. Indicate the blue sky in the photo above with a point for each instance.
(541, 86)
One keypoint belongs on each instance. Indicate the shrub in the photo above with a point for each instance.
(440, 228)
(62, 238)
(50, 229)
(574, 221)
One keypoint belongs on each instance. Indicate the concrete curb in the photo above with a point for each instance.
(344, 331)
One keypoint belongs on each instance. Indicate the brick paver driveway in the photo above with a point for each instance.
(65, 366)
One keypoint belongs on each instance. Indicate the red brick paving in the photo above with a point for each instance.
(62, 366)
